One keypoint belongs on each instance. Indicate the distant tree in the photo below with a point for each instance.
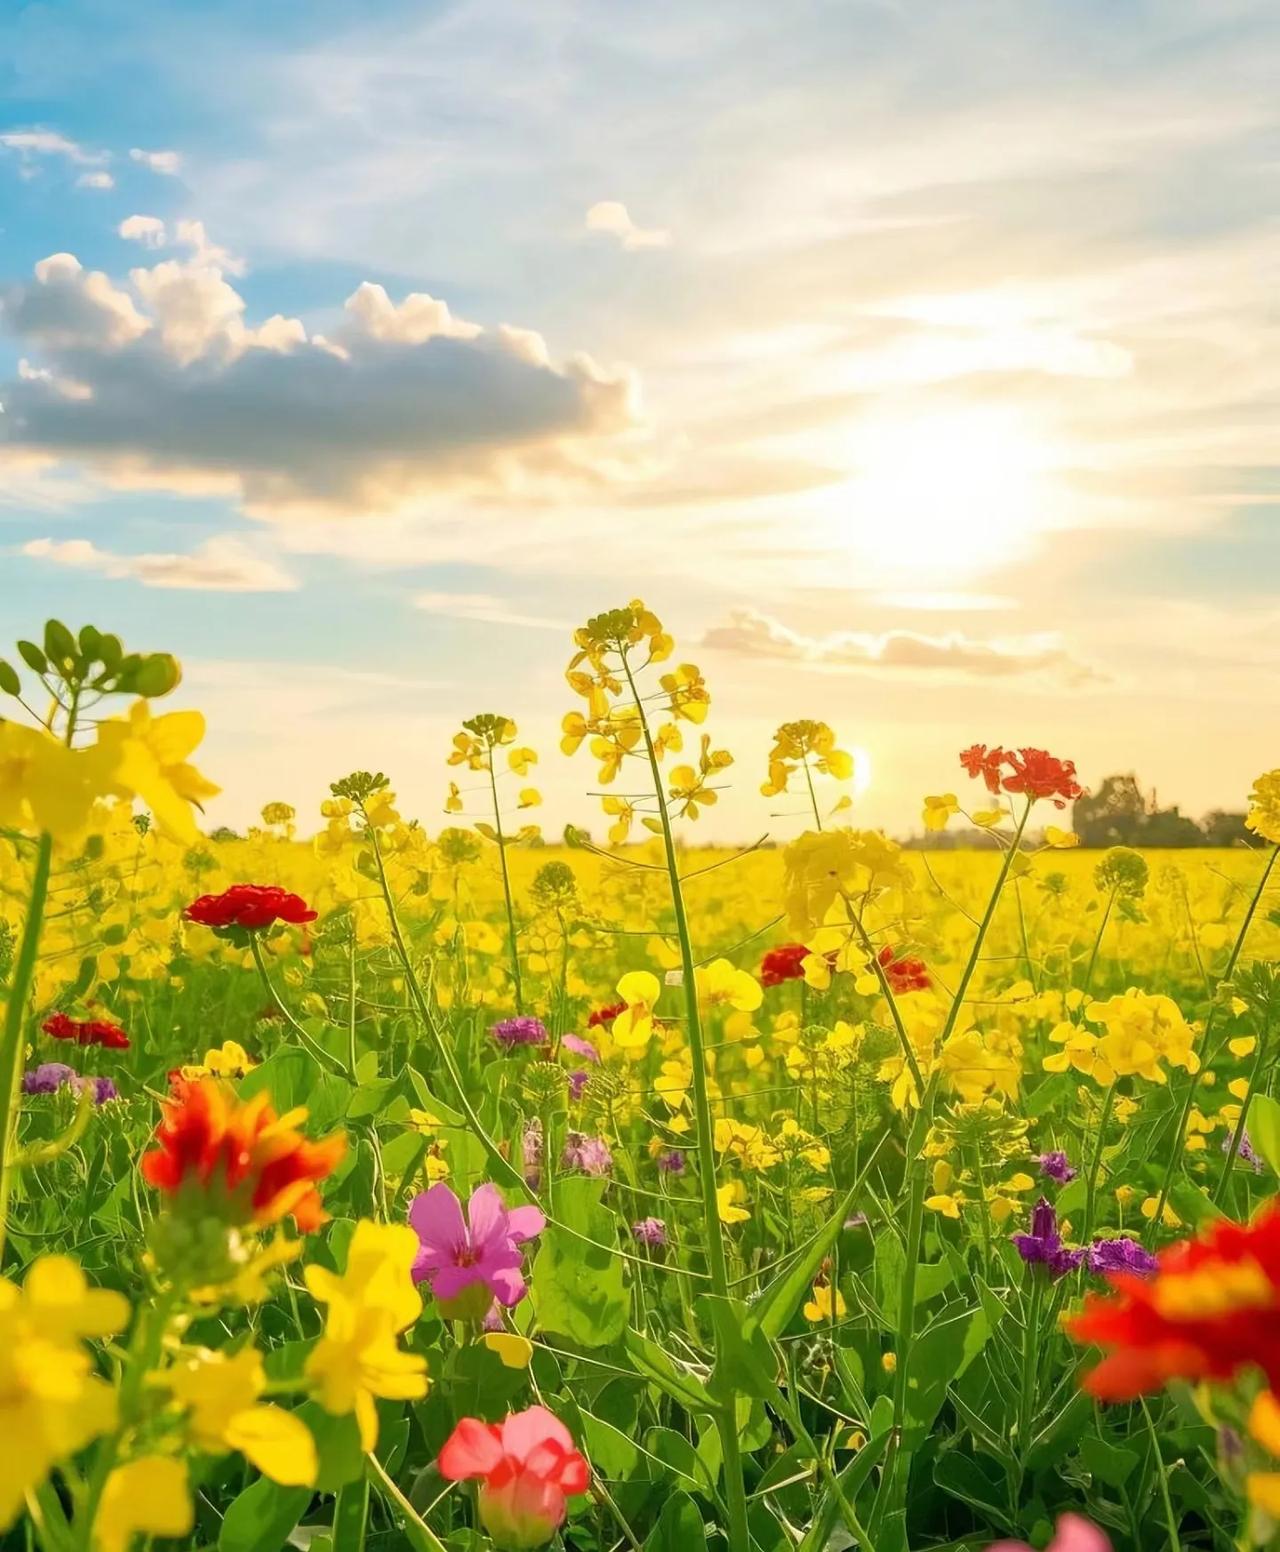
(1111, 816)
(1169, 827)
(223, 833)
(1222, 828)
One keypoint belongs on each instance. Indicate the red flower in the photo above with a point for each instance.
(242, 1162)
(1211, 1308)
(1034, 772)
(86, 1031)
(784, 963)
(903, 975)
(605, 1015)
(249, 906)
(527, 1466)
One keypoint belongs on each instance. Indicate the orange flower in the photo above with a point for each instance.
(1211, 1308)
(245, 1163)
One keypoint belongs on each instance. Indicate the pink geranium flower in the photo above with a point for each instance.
(470, 1261)
(527, 1466)
(1073, 1533)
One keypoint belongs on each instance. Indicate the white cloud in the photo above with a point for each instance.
(221, 564)
(95, 180)
(404, 401)
(485, 609)
(147, 230)
(749, 633)
(47, 142)
(167, 163)
(613, 218)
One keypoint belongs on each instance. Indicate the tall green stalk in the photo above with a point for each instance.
(512, 942)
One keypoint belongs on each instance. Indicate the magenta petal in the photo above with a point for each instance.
(508, 1285)
(524, 1223)
(487, 1216)
(436, 1217)
(450, 1281)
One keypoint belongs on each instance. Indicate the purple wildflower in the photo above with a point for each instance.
(1120, 1255)
(531, 1153)
(471, 1261)
(650, 1231)
(577, 1082)
(589, 1154)
(520, 1031)
(47, 1078)
(1244, 1152)
(671, 1162)
(1055, 1166)
(1043, 1246)
(581, 1047)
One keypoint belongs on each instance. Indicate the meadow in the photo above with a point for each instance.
(376, 1182)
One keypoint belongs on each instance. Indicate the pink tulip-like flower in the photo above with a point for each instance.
(1073, 1533)
(527, 1466)
(471, 1261)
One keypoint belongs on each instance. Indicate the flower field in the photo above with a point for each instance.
(393, 1181)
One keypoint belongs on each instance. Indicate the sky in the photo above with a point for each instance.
(916, 362)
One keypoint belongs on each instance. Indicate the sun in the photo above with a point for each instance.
(862, 770)
(945, 496)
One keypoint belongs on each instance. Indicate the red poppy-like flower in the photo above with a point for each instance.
(784, 963)
(599, 1016)
(249, 906)
(242, 1162)
(527, 1465)
(1033, 772)
(903, 975)
(1210, 1308)
(86, 1031)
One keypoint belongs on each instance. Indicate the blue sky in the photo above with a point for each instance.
(916, 361)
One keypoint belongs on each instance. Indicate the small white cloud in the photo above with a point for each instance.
(751, 634)
(207, 254)
(95, 180)
(483, 609)
(222, 564)
(47, 142)
(147, 230)
(168, 163)
(612, 217)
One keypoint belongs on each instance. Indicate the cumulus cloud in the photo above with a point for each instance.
(612, 217)
(222, 564)
(95, 180)
(47, 142)
(167, 163)
(749, 633)
(180, 389)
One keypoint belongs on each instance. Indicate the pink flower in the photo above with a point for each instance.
(1073, 1534)
(469, 1262)
(527, 1466)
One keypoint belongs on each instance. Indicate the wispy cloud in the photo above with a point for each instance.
(484, 609)
(48, 142)
(167, 163)
(222, 564)
(613, 218)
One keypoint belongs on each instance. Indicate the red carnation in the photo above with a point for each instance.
(250, 906)
(903, 975)
(1034, 772)
(784, 963)
(60, 1026)
(600, 1016)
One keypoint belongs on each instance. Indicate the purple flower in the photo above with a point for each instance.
(577, 1082)
(1120, 1255)
(1244, 1152)
(650, 1231)
(581, 1047)
(520, 1031)
(1055, 1166)
(589, 1154)
(1043, 1246)
(47, 1078)
(469, 1262)
(671, 1162)
(531, 1153)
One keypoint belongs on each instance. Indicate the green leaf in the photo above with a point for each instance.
(679, 1526)
(10, 684)
(577, 1288)
(337, 1445)
(1264, 1129)
(745, 1363)
(773, 1310)
(649, 1360)
(32, 656)
(262, 1518)
(1108, 1462)
(60, 645)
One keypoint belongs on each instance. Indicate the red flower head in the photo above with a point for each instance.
(784, 963)
(599, 1016)
(249, 906)
(903, 975)
(1211, 1308)
(1032, 772)
(240, 1161)
(527, 1466)
(86, 1031)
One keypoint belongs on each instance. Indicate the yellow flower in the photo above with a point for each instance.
(229, 1060)
(150, 762)
(219, 1393)
(51, 1402)
(745, 1142)
(826, 1303)
(1263, 817)
(357, 1360)
(46, 786)
(639, 989)
(889, 1362)
(727, 1199)
(722, 982)
(150, 1496)
(515, 1351)
(1059, 839)
(939, 809)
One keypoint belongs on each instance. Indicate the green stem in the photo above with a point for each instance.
(12, 1049)
(506, 888)
(351, 1515)
(1259, 1063)
(813, 796)
(1095, 1163)
(717, 1260)
(1097, 941)
(1162, 1474)
(417, 1532)
(1030, 1354)
(329, 1063)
